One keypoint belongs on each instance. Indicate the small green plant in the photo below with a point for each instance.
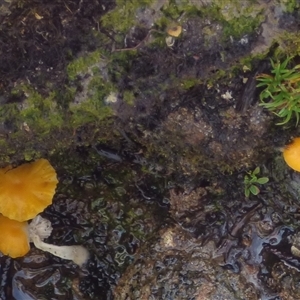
(251, 180)
(282, 89)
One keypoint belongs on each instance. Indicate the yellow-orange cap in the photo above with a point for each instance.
(291, 154)
(27, 190)
(14, 239)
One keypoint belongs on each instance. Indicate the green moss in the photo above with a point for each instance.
(159, 40)
(64, 97)
(172, 10)
(29, 155)
(211, 11)
(128, 97)
(91, 110)
(289, 43)
(99, 88)
(45, 113)
(290, 5)
(16, 91)
(188, 83)
(37, 113)
(82, 64)
(220, 75)
(94, 108)
(237, 18)
(40, 113)
(120, 63)
(237, 27)
(9, 113)
(123, 16)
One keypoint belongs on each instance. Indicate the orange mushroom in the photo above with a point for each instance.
(14, 239)
(174, 30)
(291, 154)
(26, 190)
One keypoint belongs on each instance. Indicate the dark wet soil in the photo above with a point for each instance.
(39, 38)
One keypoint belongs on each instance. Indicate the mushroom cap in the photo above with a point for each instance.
(291, 154)
(26, 190)
(174, 30)
(14, 237)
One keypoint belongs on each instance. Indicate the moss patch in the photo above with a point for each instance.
(125, 11)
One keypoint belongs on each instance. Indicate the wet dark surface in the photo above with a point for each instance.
(249, 239)
(111, 227)
(136, 245)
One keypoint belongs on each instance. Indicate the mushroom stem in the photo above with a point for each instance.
(78, 254)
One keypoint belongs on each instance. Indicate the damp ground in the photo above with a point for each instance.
(151, 136)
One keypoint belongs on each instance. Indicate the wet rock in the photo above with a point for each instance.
(190, 126)
(295, 241)
(242, 259)
(179, 270)
(181, 203)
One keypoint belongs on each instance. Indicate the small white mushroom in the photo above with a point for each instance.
(227, 95)
(40, 228)
(78, 254)
(170, 41)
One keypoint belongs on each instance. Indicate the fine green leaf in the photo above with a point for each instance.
(284, 64)
(246, 180)
(281, 93)
(253, 179)
(256, 171)
(247, 192)
(254, 190)
(262, 180)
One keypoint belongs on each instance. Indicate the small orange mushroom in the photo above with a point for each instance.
(174, 30)
(27, 190)
(14, 239)
(291, 154)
